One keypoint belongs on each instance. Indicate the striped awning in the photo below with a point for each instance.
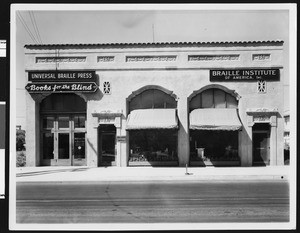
(215, 119)
(152, 119)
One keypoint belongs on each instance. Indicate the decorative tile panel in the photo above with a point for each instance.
(150, 58)
(107, 88)
(261, 57)
(105, 58)
(60, 59)
(261, 86)
(232, 57)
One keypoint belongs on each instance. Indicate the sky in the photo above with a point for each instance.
(133, 25)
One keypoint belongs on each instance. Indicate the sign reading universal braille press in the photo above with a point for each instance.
(62, 76)
(244, 75)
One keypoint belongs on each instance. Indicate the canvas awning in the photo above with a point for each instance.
(215, 119)
(152, 119)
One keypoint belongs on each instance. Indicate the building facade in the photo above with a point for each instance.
(155, 104)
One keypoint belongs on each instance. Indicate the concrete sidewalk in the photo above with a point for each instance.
(77, 174)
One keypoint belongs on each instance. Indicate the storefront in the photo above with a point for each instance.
(160, 104)
(214, 127)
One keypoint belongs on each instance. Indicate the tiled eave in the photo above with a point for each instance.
(156, 45)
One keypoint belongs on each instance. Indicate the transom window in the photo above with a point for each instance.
(213, 98)
(152, 98)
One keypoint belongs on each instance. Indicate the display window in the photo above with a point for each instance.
(153, 125)
(216, 145)
(153, 145)
(214, 127)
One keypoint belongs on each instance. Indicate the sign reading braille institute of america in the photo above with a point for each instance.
(244, 75)
(62, 76)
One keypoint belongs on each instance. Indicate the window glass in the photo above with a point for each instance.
(159, 99)
(147, 99)
(63, 146)
(152, 99)
(207, 99)
(219, 98)
(153, 145)
(48, 122)
(63, 122)
(195, 102)
(79, 121)
(231, 101)
(223, 148)
(79, 145)
(63, 103)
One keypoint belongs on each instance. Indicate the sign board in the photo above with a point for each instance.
(244, 75)
(121, 138)
(107, 120)
(61, 87)
(62, 76)
(261, 118)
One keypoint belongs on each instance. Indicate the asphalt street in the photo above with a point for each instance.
(153, 202)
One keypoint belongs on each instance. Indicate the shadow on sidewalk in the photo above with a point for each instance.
(51, 171)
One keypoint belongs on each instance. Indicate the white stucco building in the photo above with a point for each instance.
(156, 104)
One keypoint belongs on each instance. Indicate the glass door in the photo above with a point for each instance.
(63, 144)
(63, 140)
(79, 149)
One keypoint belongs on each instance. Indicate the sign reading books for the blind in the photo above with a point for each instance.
(62, 76)
(61, 87)
(244, 75)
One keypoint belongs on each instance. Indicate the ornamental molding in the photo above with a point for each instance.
(232, 57)
(260, 111)
(60, 59)
(107, 113)
(151, 58)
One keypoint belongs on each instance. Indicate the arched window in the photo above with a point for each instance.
(152, 98)
(56, 103)
(213, 98)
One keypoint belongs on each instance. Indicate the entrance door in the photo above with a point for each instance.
(63, 130)
(107, 145)
(63, 140)
(261, 145)
(63, 145)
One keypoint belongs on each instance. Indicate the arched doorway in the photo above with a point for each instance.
(152, 125)
(63, 130)
(214, 125)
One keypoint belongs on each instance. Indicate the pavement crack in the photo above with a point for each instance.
(118, 207)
